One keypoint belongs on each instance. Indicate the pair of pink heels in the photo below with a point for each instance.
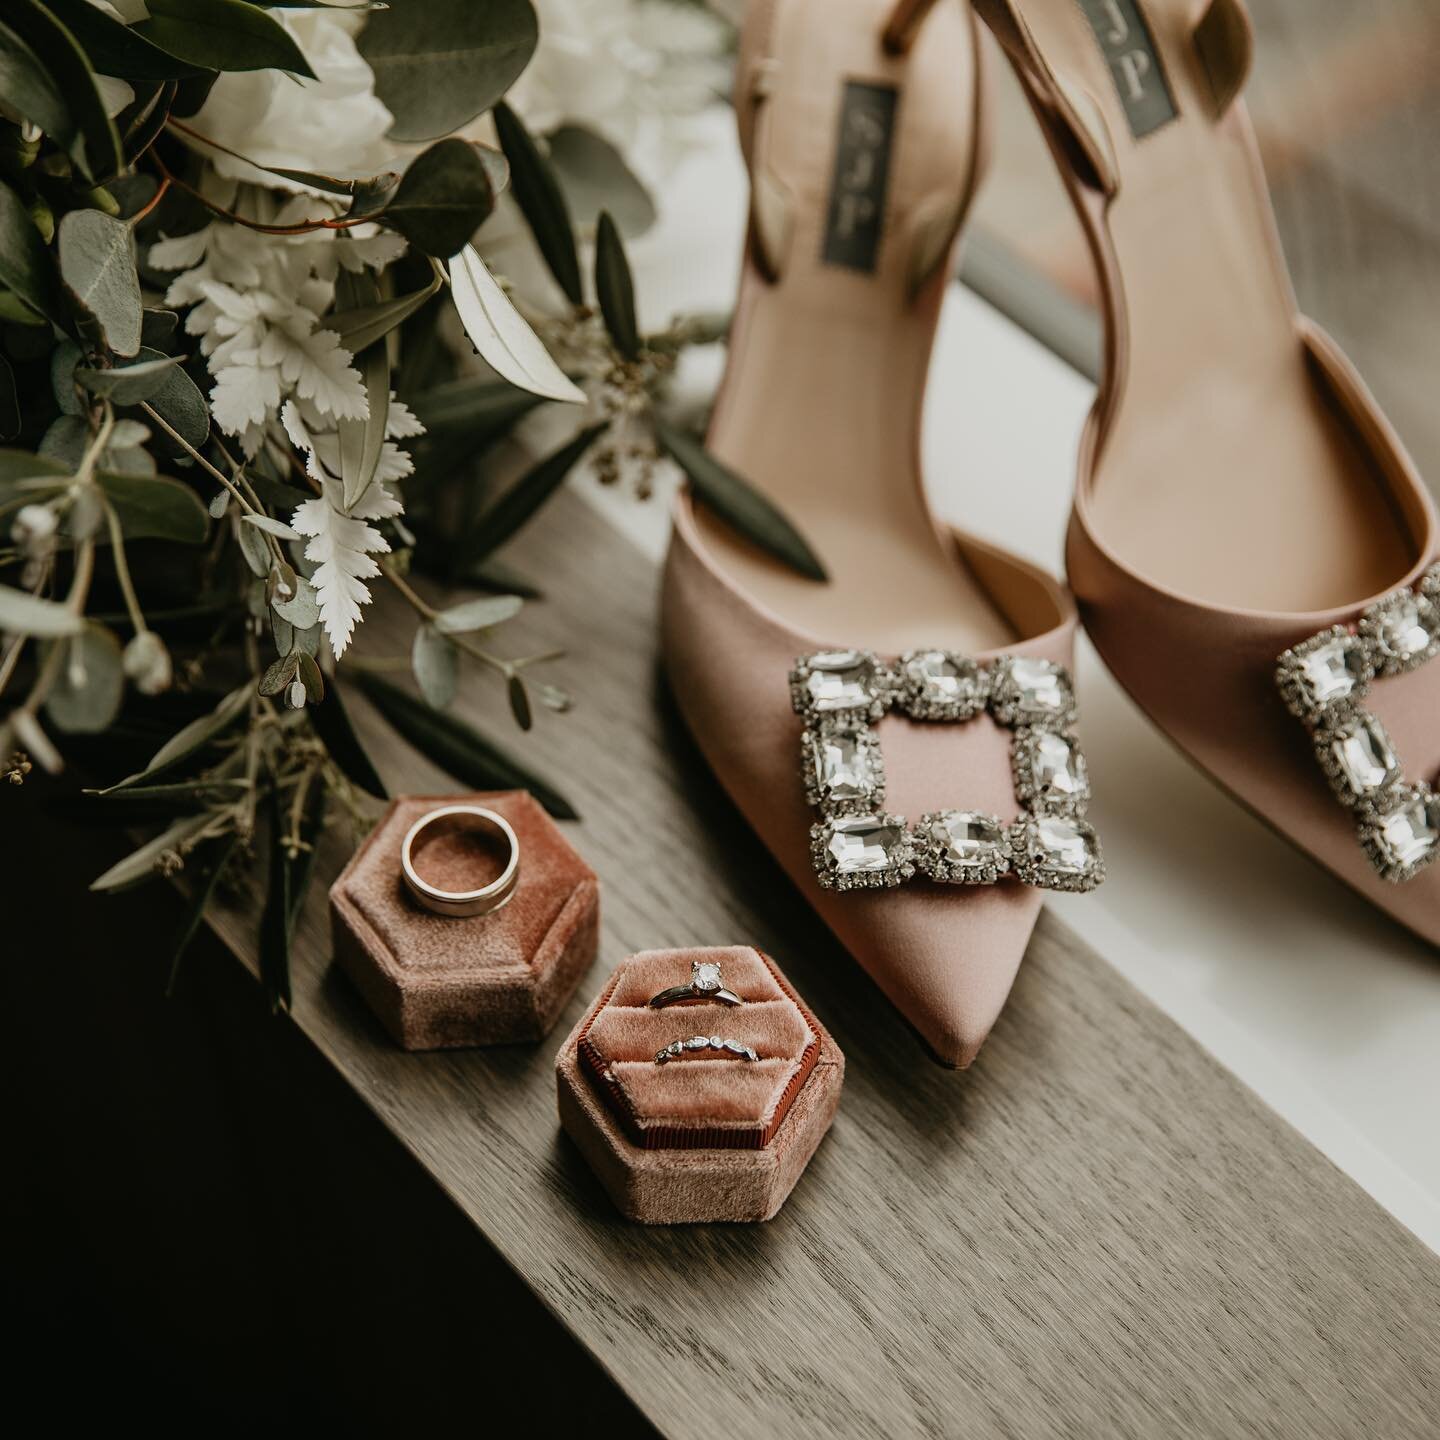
(1250, 545)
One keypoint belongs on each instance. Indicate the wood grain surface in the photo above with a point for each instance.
(1095, 1232)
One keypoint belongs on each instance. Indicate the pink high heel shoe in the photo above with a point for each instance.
(1250, 544)
(900, 737)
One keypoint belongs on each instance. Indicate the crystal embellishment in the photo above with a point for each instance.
(838, 683)
(963, 847)
(1322, 681)
(941, 685)
(705, 977)
(844, 769)
(855, 844)
(862, 850)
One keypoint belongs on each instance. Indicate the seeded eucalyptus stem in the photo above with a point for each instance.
(194, 454)
(428, 612)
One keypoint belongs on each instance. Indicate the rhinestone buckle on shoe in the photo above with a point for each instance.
(1322, 681)
(857, 844)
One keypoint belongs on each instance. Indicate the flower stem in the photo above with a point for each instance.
(180, 440)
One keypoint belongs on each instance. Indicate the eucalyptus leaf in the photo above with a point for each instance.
(155, 507)
(177, 400)
(30, 92)
(479, 614)
(541, 201)
(595, 177)
(143, 863)
(22, 613)
(127, 384)
(458, 749)
(331, 723)
(65, 440)
(96, 147)
(615, 289)
(442, 199)
(158, 327)
(278, 674)
(97, 263)
(436, 663)
(310, 676)
(25, 264)
(303, 609)
(90, 684)
(738, 503)
(440, 63)
(115, 48)
(63, 360)
(511, 511)
(500, 333)
(222, 35)
(16, 465)
(255, 551)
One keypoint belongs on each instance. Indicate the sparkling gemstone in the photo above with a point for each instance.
(843, 764)
(840, 680)
(1366, 759)
(1039, 689)
(706, 977)
(1408, 835)
(1060, 845)
(968, 840)
(1057, 768)
(940, 680)
(864, 844)
(698, 1042)
(1332, 672)
(1405, 628)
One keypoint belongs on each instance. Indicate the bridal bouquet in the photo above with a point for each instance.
(242, 271)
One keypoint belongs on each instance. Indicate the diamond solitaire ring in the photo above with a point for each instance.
(677, 1048)
(705, 984)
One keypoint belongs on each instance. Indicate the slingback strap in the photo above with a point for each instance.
(1225, 43)
(904, 25)
(1077, 122)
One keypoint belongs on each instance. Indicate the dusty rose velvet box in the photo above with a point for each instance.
(701, 1138)
(437, 981)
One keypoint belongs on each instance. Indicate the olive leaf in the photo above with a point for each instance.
(127, 384)
(187, 742)
(141, 864)
(511, 511)
(25, 264)
(440, 63)
(361, 441)
(738, 503)
(519, 702)
(363, 326)
(90, 684)
(97, 263)
(541, 201)
(500, 333)
(22, 613)
(310, 677)
(436, 665)
(331, 723)
(154, 507)
(96, 146)
(594, 176)
(478, 614)
(217, 857)
(178, 401)
(480, 410)
(221, 35)
(458, 749)
(442, 199)
(615, 289)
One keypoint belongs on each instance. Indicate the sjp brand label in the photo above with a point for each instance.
(856, 213)
(1135, 68)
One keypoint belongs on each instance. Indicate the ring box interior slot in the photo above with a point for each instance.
(438, 981)
(706, 1136)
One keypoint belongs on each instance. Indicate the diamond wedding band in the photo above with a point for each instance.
(481, 901)
(705, 984)
(677, 1048)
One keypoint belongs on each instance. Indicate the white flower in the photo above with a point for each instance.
(333, 125)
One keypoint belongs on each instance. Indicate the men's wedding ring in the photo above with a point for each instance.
(452, 819)
(697, 1043)
(705, 984)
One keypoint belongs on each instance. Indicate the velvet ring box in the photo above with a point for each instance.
(438, 981)
(706, 1136)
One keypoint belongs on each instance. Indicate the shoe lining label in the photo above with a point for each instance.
(1129, 50)
(856, 212)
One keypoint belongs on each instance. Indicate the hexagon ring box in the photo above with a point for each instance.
(465, 920)
(698, 1086)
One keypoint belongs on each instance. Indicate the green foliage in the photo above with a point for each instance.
(97, 264)
(541, 201)
(615, 289)
(442, 199)
(221, 35)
